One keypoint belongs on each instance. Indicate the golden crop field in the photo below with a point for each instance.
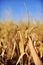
(13, 47)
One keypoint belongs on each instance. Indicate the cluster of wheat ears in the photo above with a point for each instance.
(13, 48)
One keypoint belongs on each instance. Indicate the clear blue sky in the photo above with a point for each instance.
(18, 11)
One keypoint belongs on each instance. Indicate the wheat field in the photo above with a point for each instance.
(13, 48)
